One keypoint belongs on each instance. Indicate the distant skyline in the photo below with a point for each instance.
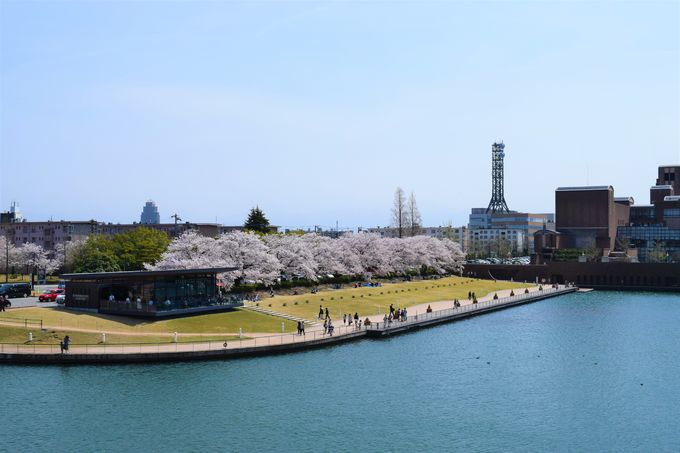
(316, 112)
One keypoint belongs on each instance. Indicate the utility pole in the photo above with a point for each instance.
(6, 259)
(176, 217)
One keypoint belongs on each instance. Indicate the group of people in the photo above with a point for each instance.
(4, 302)
(396, 314)
(328, 327)
(300, 327)
(348, 319)
(321, 313)
(369, 284)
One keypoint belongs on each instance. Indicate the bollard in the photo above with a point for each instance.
(103, 337)
(283, 327)
(174, 337)
(30, 336)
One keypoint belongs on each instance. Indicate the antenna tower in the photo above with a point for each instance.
(497, 203)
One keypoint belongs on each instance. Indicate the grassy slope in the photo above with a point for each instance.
(371, 301)
(226, 322)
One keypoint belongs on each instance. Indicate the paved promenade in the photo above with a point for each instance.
(262, 344)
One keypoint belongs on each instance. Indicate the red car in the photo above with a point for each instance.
(50, 295)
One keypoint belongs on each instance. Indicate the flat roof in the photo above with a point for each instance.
(578, 189)
(90, 275)
(661, 187)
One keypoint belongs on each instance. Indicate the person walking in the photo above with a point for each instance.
(344, 319)
(356, 319)
(64, 344)
(302, 327)
(328, 315)
(320, 311)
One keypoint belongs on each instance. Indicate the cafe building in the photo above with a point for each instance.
(151, 294)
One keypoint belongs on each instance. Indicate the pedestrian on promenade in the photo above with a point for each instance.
(391, 309)
(302, 326)
(356, 319)
(328, 315)
(344, 319)
(325, 326)
(349, 319)
(385, 320)
(299, 330)
(64, 344)
(320, 312)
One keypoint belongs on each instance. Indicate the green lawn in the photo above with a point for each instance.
(371, 301)
(225, 322)
(20, 335)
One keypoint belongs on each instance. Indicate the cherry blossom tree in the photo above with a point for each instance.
(8, 254)
(249, 254)
(65, 253)
(35, 257)
(190, 251)
(371, 251)
(294, 255)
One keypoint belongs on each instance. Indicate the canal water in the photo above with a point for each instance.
(595, 371)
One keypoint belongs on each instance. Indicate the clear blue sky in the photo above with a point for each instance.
(317, 111)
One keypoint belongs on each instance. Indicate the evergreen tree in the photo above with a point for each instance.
(257, 221)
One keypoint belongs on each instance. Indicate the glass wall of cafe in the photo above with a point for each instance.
(159, 293)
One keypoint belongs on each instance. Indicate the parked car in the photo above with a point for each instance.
(61, 299)
(15, 289)
(50, 295)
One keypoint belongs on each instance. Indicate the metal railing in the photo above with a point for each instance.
(287, 338)
(468, 308)
(26, 322)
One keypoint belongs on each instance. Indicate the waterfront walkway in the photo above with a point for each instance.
(269, 344)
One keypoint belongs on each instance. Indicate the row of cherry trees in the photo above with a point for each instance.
(31, 257)
(266, 258)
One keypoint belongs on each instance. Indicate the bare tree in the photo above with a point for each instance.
(415, 222)
(400, 219)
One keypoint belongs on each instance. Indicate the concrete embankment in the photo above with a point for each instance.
(105, 354)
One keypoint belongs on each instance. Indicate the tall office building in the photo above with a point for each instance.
(150, 215)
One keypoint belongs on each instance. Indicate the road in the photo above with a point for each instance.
(20, 302)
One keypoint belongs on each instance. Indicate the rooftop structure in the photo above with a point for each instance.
(150, 214)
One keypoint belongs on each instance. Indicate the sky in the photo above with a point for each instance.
(316, 112)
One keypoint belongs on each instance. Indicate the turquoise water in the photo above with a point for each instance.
(582, 372)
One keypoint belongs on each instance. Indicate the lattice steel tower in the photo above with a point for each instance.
(497, 203)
